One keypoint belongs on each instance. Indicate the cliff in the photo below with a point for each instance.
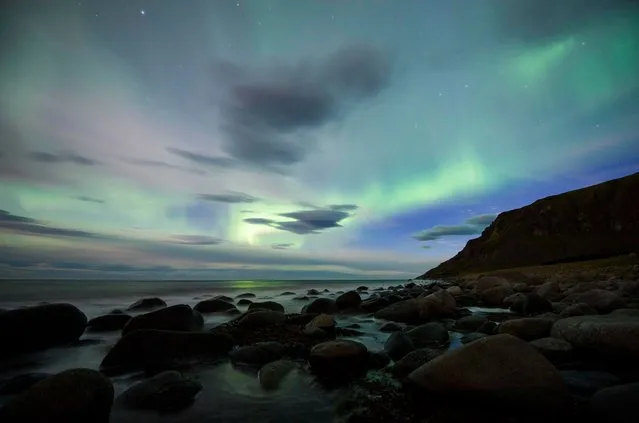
(590, 223)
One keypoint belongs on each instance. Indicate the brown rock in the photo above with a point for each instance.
(579, 309)
(488, 282)
(528, 329)
(437, 305)
(213, 305)
(406, 311)
(261, 318)
(178, 317)
(338, 360)
(601, 300)
(494, 297)
(553, 348)
(267, 305)
(350, 299)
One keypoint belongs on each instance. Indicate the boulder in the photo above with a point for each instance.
(320, 305)
(223, 298)
(350, 299)
(398, 345)
(179, 317)
(374, 304)
(437, 305)
(530, 304)
(431, 334)
(108, 322)
(473, 336)
(579, 309)
(470, 323)
(454, 291)
(324, 322)
(287, 293)
(549, 290)
(257, 354)
(147, 304)
(43, 326)
(500, 369)
(150, 347)
(489, 328)
(213, 305)
(601, 300)
(272, 374)
(586, 383)
(390, 327)
(338, 360)
(246, 295)
(494, 297)
(262, 318)
(611, 336)
(406, 311)
(18, 384)
(378, 359)
(244, 301)
(72, 396)
(488, 282)
(301, 298)
(528, 328)
(166, 391)
(362, 288)
(617, 404)
(312, 292)
(553, 349)
(267, 305)
(413, 360)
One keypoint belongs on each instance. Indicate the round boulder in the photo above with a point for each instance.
(530, 304)
(500, 369)
(437, 305)
(431, 334)
(213, 305)
(244, 302)
(494, 297)
(73, 396)
(261, 318)
(528, 328)
(398, 345)
(579, 309)
(350, 299)
(553, 349)
(601, 300)
(338, 360)
(43, 326)
(147, 304)
(413, 360)
(272, 374)
(166, 391)
(320, 305)
(470, 323)
(406, 311)
(108, 322)
(617, 404)
(267, 305)
(179, 317)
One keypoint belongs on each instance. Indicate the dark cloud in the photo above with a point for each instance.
(65, 157)
(87, 199)
(26, 225)
(196, 240)
(163, 165)
(231, 198)
(202, 159)
(471, 226)
(533, 21)
(268, 119)
(304, 222)
(343, 207)
(282, 246)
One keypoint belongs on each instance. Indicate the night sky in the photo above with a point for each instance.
(295, 138)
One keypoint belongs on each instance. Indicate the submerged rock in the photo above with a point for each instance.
(72, 396)
(177, 317)
(166, 391)
(338, 360)
(258, 354)
(320, 305)
(147, 304)
(398, 345)
(261, 318)
(149, 347)
(246, 295)
(350, 299)
(273, 373)
(501, 368)
(267, 305)
(213, 306)
(44, 326)
(244, 301)
(108, 322)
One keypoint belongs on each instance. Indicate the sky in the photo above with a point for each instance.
(298, 139)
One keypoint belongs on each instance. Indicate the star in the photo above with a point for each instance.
(142, 12)
(440, 94)
(466, 86)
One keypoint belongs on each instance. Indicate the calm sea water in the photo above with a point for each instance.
(229, 395)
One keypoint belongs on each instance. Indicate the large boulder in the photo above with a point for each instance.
(375, 303)
(413, 360)
(246, 295)
(601, 300)
(320, 305)
(612, 336)
(261, 318)
(324, 323)
(213, 305)
(431, 334)
(495, 296)
(528, 328)
(398, 345)
(406, 311)
(350, 299)
(272, 374)
(267, 305)
(179, 317)
(35, 328)
(454, 291)
(470, 323)
(617, 404)
(488, 282)
(73, 396)
(437, 305)
(554, 349)
(530, 304)
(579, 309)
(147, 304)
(166, 391)
(338, 360)
(149, 347)
(108, 322)
(257, 354)
(501, 369)
(549, 290)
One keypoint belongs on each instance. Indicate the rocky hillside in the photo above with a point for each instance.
(590, 223)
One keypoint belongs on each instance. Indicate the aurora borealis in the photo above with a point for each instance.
(298, 138)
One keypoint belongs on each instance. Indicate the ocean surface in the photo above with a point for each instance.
(229, 394)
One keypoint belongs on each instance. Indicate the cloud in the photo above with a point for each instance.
(26, 225)
(533, 21)
(65, 157)
(343, 207)
(203, 159)
(282, 246)
(231, 198)
(87, 199)
(195, 240)
(304, 222)
(471, 226)
(163, 165)
(268, 118)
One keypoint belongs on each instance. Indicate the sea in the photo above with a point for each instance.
(230, 394)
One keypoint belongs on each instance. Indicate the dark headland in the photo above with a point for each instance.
(537, 320)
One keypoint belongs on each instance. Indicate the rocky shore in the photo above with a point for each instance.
(510, 347)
